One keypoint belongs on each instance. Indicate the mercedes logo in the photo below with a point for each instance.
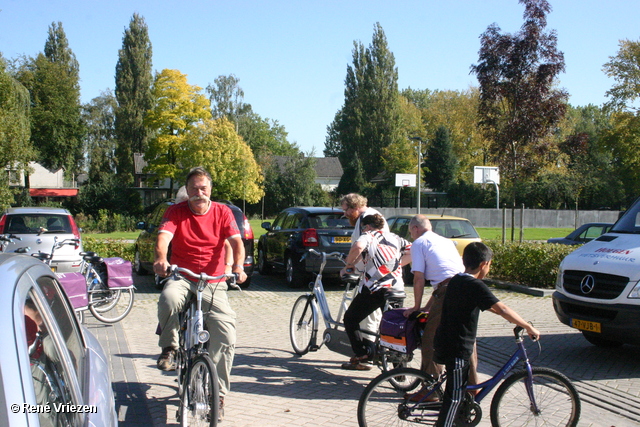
(587, 284)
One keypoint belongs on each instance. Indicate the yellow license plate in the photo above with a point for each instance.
(339, 239)
(585, 325)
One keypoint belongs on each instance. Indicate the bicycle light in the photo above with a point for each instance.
(203, 336)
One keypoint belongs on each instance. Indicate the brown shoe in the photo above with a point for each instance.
(421, 396)
(167, 359)
(357, 366)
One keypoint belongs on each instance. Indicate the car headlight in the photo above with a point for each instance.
(559, 279)
(635, 292)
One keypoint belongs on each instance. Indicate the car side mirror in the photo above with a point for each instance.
(266, 225)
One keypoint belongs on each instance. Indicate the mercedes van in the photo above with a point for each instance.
(598, 285)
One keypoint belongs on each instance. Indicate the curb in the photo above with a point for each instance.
(536, 292)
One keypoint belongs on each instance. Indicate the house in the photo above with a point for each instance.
(328, 170)
(44, 184)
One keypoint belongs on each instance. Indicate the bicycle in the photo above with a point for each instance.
(5, 239)
(530, 396)
(198, 385)
(305, 319)
(90, 288)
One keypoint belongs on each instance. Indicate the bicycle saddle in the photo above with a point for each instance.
(392, 294)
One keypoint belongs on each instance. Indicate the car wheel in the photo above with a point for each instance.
(294, 273)
(263, 267)
(137, 264)
(597, 340)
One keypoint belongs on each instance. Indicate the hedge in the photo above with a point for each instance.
(108, 248)
(529, 264)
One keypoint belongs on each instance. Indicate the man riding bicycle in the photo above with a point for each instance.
(197, 230)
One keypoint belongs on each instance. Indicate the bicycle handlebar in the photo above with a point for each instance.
(230, 278)
(9, 238)
(518, 333)
(336, 255)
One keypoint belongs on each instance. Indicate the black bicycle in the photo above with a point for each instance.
(532, 396)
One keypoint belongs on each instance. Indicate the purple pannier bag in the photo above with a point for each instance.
(398, 332)
(119, 273)
(75, 286)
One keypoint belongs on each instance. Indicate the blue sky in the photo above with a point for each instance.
(291, 56)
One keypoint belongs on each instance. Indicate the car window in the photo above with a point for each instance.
(454, 228)
(277, 223)
(49, 373)
(590, 233)
(401, 227)
(292, 221)
(328, 221)
(38, 223)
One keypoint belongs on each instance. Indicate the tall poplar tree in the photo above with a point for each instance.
(370, 118)
(54, 85)
(440, 162)
(133, 92)
(519, 102)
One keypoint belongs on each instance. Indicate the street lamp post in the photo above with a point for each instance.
(417, 138)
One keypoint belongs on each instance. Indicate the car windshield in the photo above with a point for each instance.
(37, 223)
(630, 221)
(321, 221)
(454, 229)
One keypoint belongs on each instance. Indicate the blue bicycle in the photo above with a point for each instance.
(532, 396)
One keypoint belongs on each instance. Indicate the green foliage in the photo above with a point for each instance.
(133, 92)
(371, 117)
(440, 161)
(624, 67)
(530, 264)
(290, 181)
(520, 105)
(108, 248)
(110, 195)
(100, 141)
(106, 222)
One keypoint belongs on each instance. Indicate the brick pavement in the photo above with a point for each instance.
(273, 387)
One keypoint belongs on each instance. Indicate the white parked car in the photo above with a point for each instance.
(37, 228)
(53, 372)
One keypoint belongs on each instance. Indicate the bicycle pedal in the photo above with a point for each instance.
(314, 348)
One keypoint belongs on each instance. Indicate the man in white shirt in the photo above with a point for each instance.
(434, 259)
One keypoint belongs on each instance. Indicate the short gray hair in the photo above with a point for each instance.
(421, 221)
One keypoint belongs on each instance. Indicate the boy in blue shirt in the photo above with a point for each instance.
(466, 295)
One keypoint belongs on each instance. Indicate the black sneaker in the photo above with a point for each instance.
(167, 359)
(221, 410)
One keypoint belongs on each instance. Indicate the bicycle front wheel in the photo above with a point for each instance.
(201, 394)
(110, 305)
(383, 404)
(302, 324)
(556, 399)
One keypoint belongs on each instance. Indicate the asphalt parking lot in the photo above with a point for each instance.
(271, 386)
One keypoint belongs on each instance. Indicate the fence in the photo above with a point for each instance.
(532, 218)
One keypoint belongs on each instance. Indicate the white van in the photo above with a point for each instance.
(598, 288)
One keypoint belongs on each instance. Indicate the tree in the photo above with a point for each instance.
(133, 93)
(440, 162)
(215, 145)
(227, 99)
(178, 109)
(56, 122)
(290, 181)
(100, 142)
(370, 118)
(16, 150)
(625, 69)
(519, 104)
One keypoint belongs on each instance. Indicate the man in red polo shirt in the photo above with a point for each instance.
(199, 230)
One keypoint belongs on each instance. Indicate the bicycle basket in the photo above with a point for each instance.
(398, 332)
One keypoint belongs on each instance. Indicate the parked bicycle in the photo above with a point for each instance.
(6, 239)
(531, 396)
(198, 385)
(108, 298)
(308, 309)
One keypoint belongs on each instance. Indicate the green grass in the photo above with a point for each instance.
(485, 233)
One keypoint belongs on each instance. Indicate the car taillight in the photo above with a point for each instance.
(310, 237)
(75, 231)
(3, 219)
(248, 231)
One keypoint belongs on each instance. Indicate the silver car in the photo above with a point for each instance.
(53, 372)
(38, 227)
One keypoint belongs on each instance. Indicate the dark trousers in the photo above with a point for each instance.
(457, 378)
(363, 304)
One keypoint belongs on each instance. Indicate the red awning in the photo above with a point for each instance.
(53, 192)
